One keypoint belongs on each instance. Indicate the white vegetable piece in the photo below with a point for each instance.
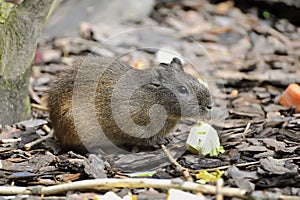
(174, 194)
(203, 139)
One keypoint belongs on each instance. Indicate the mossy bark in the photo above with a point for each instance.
(20, 28)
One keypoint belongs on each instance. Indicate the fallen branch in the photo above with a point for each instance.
(121, 183)
(220, 184)
(247, 164)
(174, 162)
(184, 171)
(138, 183)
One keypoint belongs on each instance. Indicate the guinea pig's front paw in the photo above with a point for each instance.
(166, 140)
(155, 144)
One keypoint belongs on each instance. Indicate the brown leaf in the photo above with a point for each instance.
(278, 146)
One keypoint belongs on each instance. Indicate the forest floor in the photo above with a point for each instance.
(246, 61)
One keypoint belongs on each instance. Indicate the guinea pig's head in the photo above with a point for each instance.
(181, 94)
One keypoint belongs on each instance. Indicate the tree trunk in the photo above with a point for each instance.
(20, 28)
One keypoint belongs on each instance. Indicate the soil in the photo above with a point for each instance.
(246, 59)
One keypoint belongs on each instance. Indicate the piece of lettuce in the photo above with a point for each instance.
(204, 140)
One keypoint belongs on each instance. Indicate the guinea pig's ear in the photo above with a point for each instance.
(176, 63)
(161, 73)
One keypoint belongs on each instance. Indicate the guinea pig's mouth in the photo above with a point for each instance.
(203, 111)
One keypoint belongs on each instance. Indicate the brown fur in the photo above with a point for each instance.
(81, 106)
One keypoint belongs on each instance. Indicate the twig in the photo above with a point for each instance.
(247, 164)
(246, 130)
(46, 128)
(173, 161)
(39, 107)
(286, 197)
(131, 183)
(9, 140)
(34, 96)
(120, 183)
(220, 184)
(184, 171)
(292, 158)
(170, 157)
(227, 166)
(33, 143)
(271, 31)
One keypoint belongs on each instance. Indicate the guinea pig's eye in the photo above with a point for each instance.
(183, 90)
